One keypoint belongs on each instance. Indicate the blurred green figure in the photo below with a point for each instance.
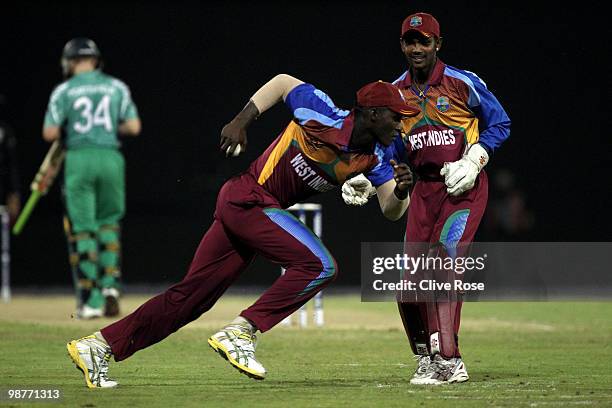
(89, 109)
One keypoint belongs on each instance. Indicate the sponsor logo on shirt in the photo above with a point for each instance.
(308, 175)
(431, 138)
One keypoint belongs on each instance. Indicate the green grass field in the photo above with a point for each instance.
(517, 354)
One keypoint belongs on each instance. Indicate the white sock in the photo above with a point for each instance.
(101, 338)
(241, 321)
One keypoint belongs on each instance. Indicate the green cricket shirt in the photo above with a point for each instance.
(90, 106)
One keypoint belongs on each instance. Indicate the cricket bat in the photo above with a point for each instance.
(43, 180)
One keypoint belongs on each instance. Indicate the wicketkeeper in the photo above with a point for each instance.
(447, 144)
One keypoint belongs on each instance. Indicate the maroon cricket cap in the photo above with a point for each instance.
(384, 94)
(424, 23)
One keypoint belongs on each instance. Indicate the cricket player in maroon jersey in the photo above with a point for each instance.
(447, 144)
(318, 150)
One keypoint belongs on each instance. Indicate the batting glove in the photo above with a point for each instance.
(357, 190)
(460, 175)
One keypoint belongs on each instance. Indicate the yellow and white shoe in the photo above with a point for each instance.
(91, 356)
(237, 344)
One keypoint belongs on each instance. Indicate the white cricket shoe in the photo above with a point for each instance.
(424, 367)
(442, 371)
(86, 312)
(237, 344)
(91, 356)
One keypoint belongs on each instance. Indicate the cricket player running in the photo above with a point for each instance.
(447, 144)
(91, 108)
(318, 150)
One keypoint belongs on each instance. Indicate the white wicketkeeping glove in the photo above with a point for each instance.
(357, 190)
(460, 175)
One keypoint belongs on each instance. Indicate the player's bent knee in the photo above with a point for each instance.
(330, 272)
(333, 270)
(326, 267)
(322, 271)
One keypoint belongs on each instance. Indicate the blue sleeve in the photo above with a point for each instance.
(493, 122)
(399, 150)
(383, 171)
(309, 103)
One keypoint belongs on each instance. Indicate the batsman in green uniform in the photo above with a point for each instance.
(89, 109)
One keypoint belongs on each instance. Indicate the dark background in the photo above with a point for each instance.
(192, 66)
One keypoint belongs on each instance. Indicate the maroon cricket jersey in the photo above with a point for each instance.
(457, 110)
(312, 154)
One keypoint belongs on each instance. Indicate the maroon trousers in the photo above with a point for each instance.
(436, 218)
(247, 222)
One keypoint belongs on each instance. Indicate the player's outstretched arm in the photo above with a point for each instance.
(274, 91)
(393, 195)
(234, 135)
